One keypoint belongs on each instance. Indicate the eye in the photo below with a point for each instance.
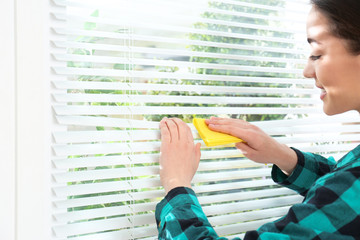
(314, 58)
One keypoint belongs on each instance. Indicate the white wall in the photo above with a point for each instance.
(25, 121)
(7, 121)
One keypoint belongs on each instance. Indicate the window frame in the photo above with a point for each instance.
(7, 104)
(26, 212)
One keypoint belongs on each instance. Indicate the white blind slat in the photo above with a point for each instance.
(185, 88)
(81, 189)
(126, 73)
(142, 158)
(251, 205)
(158, 110)
(249, 216)
(128, 98)
(151, 38)
(154, 194)
(142, 171)
(149, 206)
(152, 62)
(153, 18)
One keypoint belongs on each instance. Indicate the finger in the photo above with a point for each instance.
(229, 121)
(164, 131)
(212, 120)
(224, 128)
(163, 120)
(184, 130)
(173, 129)
(239, 132)
(244, 148)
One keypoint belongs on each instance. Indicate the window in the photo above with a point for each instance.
(112, 69)
(7, 138)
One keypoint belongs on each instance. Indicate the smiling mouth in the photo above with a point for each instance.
(323, 91)
(322, 94)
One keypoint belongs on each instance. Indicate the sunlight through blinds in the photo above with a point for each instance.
(120, 66)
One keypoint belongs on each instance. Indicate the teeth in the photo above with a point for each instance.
(322, 94)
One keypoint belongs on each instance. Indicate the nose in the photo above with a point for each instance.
(309, 71)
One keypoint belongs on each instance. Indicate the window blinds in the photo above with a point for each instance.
(121, 66)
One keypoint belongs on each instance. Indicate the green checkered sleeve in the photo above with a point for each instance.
(330, 210)
(180, 216)
(309, 168)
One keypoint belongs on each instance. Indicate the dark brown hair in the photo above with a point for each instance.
(344, 18)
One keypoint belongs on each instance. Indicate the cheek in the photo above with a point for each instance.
(336, 74)
(326, 73)
(342, 85)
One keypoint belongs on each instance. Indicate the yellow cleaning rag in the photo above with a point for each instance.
(212, 138)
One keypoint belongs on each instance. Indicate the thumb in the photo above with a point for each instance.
(243, 147)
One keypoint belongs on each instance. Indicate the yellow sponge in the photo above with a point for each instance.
(212, 138)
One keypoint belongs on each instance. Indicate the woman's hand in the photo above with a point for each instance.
(179, 156)
(258, 145)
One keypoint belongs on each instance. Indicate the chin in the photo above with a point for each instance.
(331, 111)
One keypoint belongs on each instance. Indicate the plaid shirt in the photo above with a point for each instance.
(330, 210)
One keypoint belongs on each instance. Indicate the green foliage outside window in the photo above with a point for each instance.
(238, 52)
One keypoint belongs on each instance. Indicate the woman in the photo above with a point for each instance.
(331, 209)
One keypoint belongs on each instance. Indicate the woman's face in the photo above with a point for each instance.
(336, 71)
